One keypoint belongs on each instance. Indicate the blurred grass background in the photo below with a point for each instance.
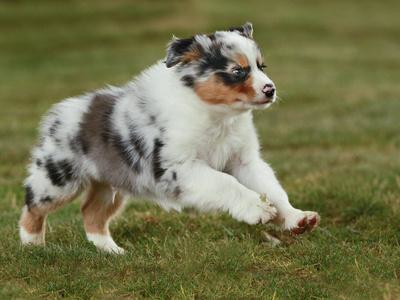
(333, 139)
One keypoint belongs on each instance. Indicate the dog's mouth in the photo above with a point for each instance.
(257, 103)
(262, 102)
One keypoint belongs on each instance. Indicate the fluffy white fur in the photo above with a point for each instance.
(213, 150)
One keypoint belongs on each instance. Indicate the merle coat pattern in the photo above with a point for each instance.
(181, 133)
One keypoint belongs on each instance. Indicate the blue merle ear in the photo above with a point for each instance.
(246, 30)
(176, 50)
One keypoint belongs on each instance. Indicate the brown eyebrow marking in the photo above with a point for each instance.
(242, 61)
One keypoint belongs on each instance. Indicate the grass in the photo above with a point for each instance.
(333, 139)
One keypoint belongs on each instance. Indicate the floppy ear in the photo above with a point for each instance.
(245, 30)
(176, 49)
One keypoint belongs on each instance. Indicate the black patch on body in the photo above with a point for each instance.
(79, 144)
(54, 127)
(124, 151)
(46, 199)
(188, 80)
(39, 163)
(174, 176)
(132, 150)
(29, 196)
(158, 170)
(106, 129)
(137, 141)
(53, 173)
(66, 169)
(60, 173)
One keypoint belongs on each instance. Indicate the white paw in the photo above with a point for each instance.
(259, 212)
(31, 238)
(298, 221)
(105, 243)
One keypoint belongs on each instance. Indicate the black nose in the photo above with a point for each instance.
(269, 90)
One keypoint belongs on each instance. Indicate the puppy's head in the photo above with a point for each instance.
(224, 68)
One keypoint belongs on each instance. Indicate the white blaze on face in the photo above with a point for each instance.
(260, 80)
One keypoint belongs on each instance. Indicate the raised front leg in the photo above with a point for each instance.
(258, 176)
(207, 190)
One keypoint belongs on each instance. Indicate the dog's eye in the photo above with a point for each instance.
(239, 72)
(261, 67)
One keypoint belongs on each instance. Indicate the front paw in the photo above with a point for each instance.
(260, 212)
(298, 222)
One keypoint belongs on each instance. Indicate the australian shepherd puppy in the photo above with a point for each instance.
(181, 133)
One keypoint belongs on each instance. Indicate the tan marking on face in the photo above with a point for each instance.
(214, 91)
(242, 61)
(99, 208)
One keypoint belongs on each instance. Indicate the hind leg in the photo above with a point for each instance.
(32, 224)
(101, 205)
(51, 185)
(32, 227)
(34, 214)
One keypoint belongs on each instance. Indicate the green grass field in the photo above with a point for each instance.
(334, 140)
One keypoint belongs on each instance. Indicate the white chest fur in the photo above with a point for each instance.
(221, 141)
